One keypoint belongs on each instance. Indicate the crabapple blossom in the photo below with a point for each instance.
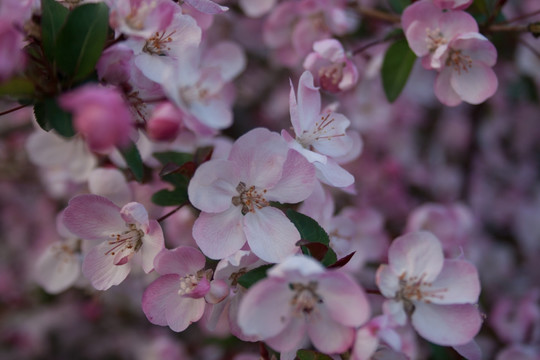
(439, 295)
(333, 70)
(12, 58)
(101, 116)
(125, 232)
(176, 298)
(165, 123)
(367, 338)
(453, 4)
(234, 196)
(300, 298)
(141, 18)
(207, 6)
(320, 135)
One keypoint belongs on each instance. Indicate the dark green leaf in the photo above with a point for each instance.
(399, 5)
(53, 16)
(308, 228)
(177, 158)
(397, 66)
(18, 88)
(133, 159)
(170, 197)
(50, 116)
(311, 355)
(81, 40)
(251, 277)
(329, 258)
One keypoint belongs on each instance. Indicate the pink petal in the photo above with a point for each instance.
(265, 308)
(470, 350)
(297, 181)
(343, 298)
(183, 260)
(333, 174)
(184, 311)
(291, 338)
(110, 183)
(309, 102)
(310, 156)
(387, 281)
(453, 23)
(475, 85)
(293, 110)
(444, 92)
(447, 325)
(57, 269)
(365, 344)
(327, 335)
(220, 235)
(153, 243)
(135, 213)
(207, 6)
(334, 141)
(215, 113)
(156, 296)
(100, 269)
(417, 254)
(228, 57)
(259, 156)
(423, 11)
(457, 283)
(330, 49)
(270, 234)
(213, 186)
(93, 217)
(477, 46)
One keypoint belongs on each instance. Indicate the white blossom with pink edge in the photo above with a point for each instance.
(176, 298)
(141, 18)
(368, 337)
(301, 298)
(438, 295)
(124, 231)
(234, 196)
(319, 135)
(334, 71)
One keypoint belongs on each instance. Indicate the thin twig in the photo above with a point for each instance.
(521, 17)
(12, 110)
(171, 212)
(375, 42)
(507, 28)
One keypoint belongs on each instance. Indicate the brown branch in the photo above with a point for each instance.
(171, 212)
(13, 109)
(507, 28)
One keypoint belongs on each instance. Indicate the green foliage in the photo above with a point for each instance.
(81, 40)
(53, 17)
(399, 5)
(50, 116)
(174, 157)
(133, 160)
(252, 276)
(18, 88)
(315, 241)
(311, 355)
(165, 197)
(396, 68)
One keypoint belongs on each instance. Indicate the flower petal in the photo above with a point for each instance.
(476, 84)
(183, 260)
(156, 296)
(99, 267)
(270, 234)
(457, 283)
(328, 335)
(447, 325)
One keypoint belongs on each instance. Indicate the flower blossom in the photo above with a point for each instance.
(321, 136)
(125, 232)
(176, 298)
(234, 196)
(300, 298)
(439, 295)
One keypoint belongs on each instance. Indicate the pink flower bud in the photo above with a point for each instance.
(165, 123)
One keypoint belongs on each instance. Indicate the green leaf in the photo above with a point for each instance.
(308, 228)
(53, 16)
(311, 355)
(399, 5)
(133, 159)
(252, 276)
(17, 87)
(170, 197)
(51, 116)
(397, 66)
(329, 258)
(81, 40)
(177, 158)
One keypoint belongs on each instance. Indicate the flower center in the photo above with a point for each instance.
(459, 61)
(330, 76)
(158, 44)
(434, 39)
(130, 241)
(236, 275)
(415, 288)
(249, 198)
(305, 298)
(189, 283)
(323, 130)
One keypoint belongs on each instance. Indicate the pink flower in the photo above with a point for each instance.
(207, 6)
(101, 115)
(466, 74)
(234, 196)
(12, 58)
(165, 123)
(334, 71)
(298, 298)
(320, 135)
(176, 298)
(142, 18)
(124, 231)
(438, 294)
(453, 4)
(368, 337)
